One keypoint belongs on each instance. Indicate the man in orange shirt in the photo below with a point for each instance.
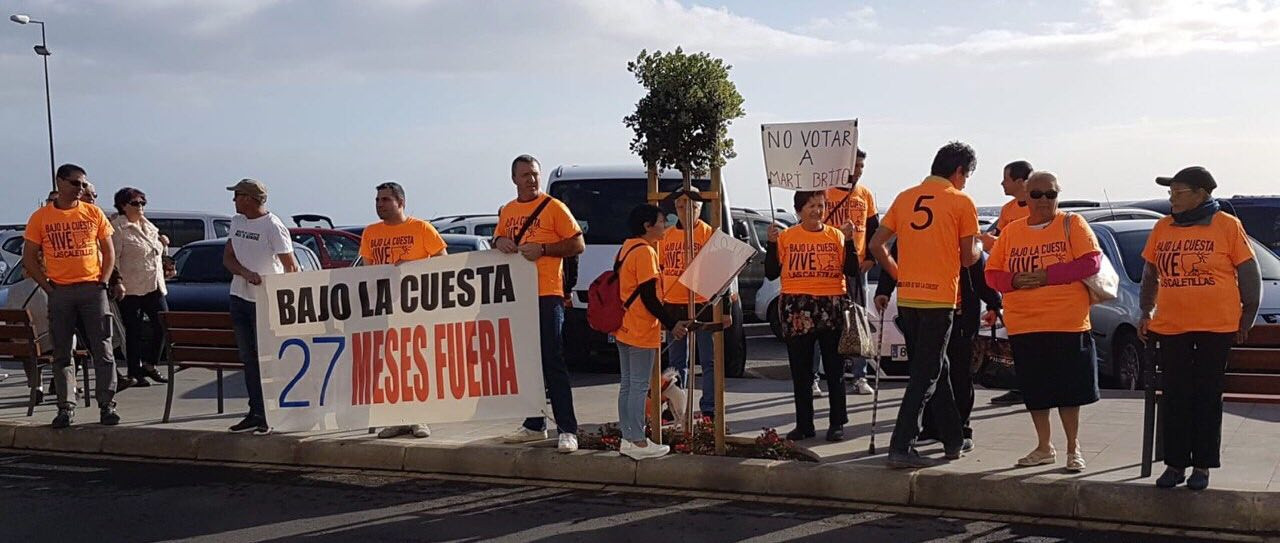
(854, 208)
(544, 232)
(937, 228)
(1014, 185)
(675, 296)
(397, 239)
(68, 253)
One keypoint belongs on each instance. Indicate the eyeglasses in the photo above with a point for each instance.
(1175, 192)
(138, 203)
(1047, 194)
(74, 182)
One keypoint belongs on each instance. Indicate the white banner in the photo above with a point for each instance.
(447, 339)
(716, 264)
(809, 156)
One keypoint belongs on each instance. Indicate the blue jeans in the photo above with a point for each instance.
(244, 318)
(859, 365)
(555, 373)
(678, 356)
(635, 366)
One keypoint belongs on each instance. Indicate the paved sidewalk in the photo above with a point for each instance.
(1111, 438)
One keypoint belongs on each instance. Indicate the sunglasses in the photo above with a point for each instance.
(138, 203)
(74, 182)
(1047, 194)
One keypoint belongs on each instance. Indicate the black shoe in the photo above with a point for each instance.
(261, 429)
(1013, 397)
(250, 422)
(1199, 479)
(835, 433)
(65, 417)
(123, 382)
(108, 416)
(154, 374)
(908, 460)
(141, 381)
(798, 434)
(956, 453)
(1171, 477)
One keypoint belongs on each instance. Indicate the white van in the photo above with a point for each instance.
(601, 198)
(183, 227)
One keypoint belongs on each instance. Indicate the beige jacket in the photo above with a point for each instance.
(139, 255)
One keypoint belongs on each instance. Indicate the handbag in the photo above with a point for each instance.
(858, 337)
(992, 364)
(1104, 285)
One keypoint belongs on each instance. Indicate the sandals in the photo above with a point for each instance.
(1037, 458)
(1075, 462)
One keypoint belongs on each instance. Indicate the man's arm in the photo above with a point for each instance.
(31, 252)
(233, 265)
(108, 252)
(969, 251)
(289, 262)
(878, 249)
(571, 246)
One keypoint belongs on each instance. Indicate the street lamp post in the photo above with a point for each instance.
(43, 51)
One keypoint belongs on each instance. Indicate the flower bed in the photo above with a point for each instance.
(768, 445)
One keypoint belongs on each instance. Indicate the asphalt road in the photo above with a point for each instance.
(58, 498)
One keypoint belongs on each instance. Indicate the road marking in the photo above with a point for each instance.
(555, 530)
(809, 529)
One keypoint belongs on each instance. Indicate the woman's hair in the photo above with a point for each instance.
(641, 217)
(126, 195)
(802, 197)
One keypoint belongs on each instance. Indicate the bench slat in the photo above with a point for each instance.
(1251, 398)
(16, 331)
(211, 365)
(196, 319)
(1244, 383)
(15, 316)
(16, 349)
(1245, 359)
(202, 338)
(1264, 335)
(184, 355)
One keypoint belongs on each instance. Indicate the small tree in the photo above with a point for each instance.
(683, 121)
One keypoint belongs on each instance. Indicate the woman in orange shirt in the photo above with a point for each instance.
(1200, 293)
(1039, 263)
(640, 336)
(813, 259)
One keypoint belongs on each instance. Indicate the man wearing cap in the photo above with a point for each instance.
(1201, 288)
(258, 245)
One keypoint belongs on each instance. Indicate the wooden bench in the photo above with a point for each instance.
(198, 340)
(1253, 376)
(19, 341)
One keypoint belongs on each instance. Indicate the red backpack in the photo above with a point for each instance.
(605, 307)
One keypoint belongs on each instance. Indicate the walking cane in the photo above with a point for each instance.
(875, 395)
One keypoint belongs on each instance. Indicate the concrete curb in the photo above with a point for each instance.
(1224, 510)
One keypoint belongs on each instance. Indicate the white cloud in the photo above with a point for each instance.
(1127, 29)
(850, 22)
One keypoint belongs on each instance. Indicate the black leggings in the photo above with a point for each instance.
(142, 338)
(1194, 368)
(800, 354)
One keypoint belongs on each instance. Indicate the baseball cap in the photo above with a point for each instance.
(1193, 176)
(251, 187)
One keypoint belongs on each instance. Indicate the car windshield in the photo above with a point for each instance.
(1262, 223)
(1131, 245)
(455, 249)
(602, 206)
(201, 264)
(1267, 261)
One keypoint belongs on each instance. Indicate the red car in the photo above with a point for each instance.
(336, 248)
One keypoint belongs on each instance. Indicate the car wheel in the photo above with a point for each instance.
(1127, 353)
(775, 320)
(735, 346)
(575, 340)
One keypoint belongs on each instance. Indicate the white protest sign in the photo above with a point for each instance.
(716, 264)
(447, 339)
(809, 156)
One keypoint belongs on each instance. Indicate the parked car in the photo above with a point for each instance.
(10, 250)
(1121, 356)
(1260, 215)
(750, 227)
(183, 227)
(475, 225)
(19, 292)
(455, 244)
(1104, 214)
(601, 197)
(335, 248)
(204, 284)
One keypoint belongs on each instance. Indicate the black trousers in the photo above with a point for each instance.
(142, 339)
(1191, 421)
(959, 355)
(927, 332)
(800, 351)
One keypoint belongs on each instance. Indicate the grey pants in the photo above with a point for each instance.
(86, 302)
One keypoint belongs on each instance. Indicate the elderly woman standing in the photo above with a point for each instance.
(1040, 263)
(813, 259)
(138, 284)
(1200, 293)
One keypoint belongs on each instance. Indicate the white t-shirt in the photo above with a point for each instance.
(256, 243)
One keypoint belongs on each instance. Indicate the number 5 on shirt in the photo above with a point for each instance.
(921, 208)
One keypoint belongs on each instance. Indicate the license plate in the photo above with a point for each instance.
(898, 352)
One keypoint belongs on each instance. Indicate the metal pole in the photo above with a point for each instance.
(691, 353)
(48, 109)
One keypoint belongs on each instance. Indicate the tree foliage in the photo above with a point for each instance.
(683, 120)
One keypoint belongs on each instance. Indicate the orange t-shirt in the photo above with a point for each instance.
(812, 262)
(860, 205)
(1051, 308)
(671, 259)
(930, 219)
(1197, 266)
(1012, 212)
(639, 327)
(413, 239)
(68, 239)
(553, 225)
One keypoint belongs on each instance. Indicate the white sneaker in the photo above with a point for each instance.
(817, 390)
(420, 430)
(653, 450)
(392, 431)
(524, 435)
(862, 387)
(568, 443)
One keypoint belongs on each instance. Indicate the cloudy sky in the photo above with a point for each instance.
(321, 99)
